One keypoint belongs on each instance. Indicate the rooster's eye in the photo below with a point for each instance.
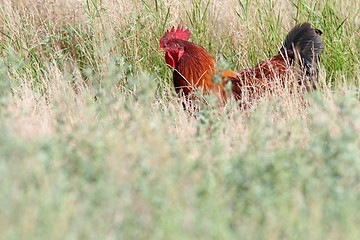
(175, 45)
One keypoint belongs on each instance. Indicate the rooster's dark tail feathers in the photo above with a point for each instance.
(303, 43)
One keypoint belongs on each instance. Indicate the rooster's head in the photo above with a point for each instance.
(173, 44)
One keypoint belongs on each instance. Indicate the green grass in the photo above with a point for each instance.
(94, 143)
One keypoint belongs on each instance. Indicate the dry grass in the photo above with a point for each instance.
(95, 145)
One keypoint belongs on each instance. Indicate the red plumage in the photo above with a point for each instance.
(194, 68)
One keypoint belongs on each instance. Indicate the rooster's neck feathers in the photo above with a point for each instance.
(195, 68)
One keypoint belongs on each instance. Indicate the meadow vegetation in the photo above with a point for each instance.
(94, 144)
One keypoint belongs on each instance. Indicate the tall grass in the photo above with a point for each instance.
(94, 143)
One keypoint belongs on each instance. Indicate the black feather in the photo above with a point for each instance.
(305, 42)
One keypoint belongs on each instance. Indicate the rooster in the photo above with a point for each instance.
(194, 67)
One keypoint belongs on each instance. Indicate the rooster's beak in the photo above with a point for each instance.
(161, 49)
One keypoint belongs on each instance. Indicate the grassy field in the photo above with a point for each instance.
(94, 143)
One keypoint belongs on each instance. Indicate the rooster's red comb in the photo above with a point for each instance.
(179, 33)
